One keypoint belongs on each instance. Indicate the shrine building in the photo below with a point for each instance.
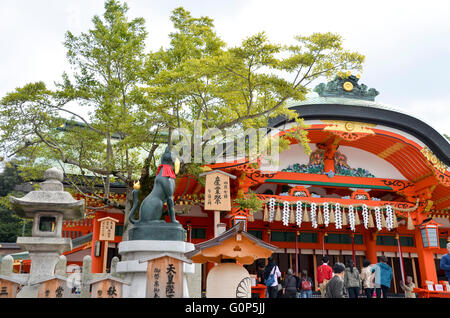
(376, 183)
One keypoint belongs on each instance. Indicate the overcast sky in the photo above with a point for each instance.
(406, 43)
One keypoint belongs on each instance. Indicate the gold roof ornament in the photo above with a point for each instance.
(348, 86)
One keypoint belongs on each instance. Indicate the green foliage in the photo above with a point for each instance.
(11, 226)
(9, 178)
(250, 201)
(194, 170)
(299, 134)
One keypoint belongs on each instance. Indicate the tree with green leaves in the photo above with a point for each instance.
(137, 99)
(41, 127)
(198, 78)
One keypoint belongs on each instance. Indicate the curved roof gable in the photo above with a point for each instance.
(353, 102)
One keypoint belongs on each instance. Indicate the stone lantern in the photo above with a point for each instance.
(48, 207)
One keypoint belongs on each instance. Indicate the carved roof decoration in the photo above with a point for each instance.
(346, 85)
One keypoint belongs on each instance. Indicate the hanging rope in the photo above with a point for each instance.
(351, 218)
(359, 205)
(335, 215)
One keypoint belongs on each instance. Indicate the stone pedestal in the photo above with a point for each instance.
(44, 254)
(157, 230)
(136, 273)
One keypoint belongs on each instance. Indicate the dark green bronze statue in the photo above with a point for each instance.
(149, 226)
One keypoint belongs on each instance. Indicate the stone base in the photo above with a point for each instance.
(136, 273)
(44, 254)
(157, 230)
(28, 292)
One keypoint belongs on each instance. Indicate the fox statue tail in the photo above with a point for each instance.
(135, 206)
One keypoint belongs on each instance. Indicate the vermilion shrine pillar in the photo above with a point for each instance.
(321, 240)
(426, 260)
(97, 261)
(370, 241)
(266, 235)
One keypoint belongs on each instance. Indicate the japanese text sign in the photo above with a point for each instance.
(107, 229)
(165, 278)
(217, 192)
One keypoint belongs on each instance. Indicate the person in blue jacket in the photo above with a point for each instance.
(445, 262)
(383, 277)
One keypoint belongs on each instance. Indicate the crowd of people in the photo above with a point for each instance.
(337, 281)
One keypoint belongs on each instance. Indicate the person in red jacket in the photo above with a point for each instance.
(324, 274)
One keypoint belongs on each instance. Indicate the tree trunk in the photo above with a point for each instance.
(108, 158)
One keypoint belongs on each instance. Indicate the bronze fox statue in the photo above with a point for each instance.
(151, 208)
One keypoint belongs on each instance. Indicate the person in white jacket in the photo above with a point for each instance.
(367, 278)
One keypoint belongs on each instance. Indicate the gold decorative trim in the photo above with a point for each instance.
(435, 162)
(349, 126)
(429, 206)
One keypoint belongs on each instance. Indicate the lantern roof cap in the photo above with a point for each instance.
(50, 197)
(430, 222)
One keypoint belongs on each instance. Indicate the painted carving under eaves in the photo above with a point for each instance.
(316, 166)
